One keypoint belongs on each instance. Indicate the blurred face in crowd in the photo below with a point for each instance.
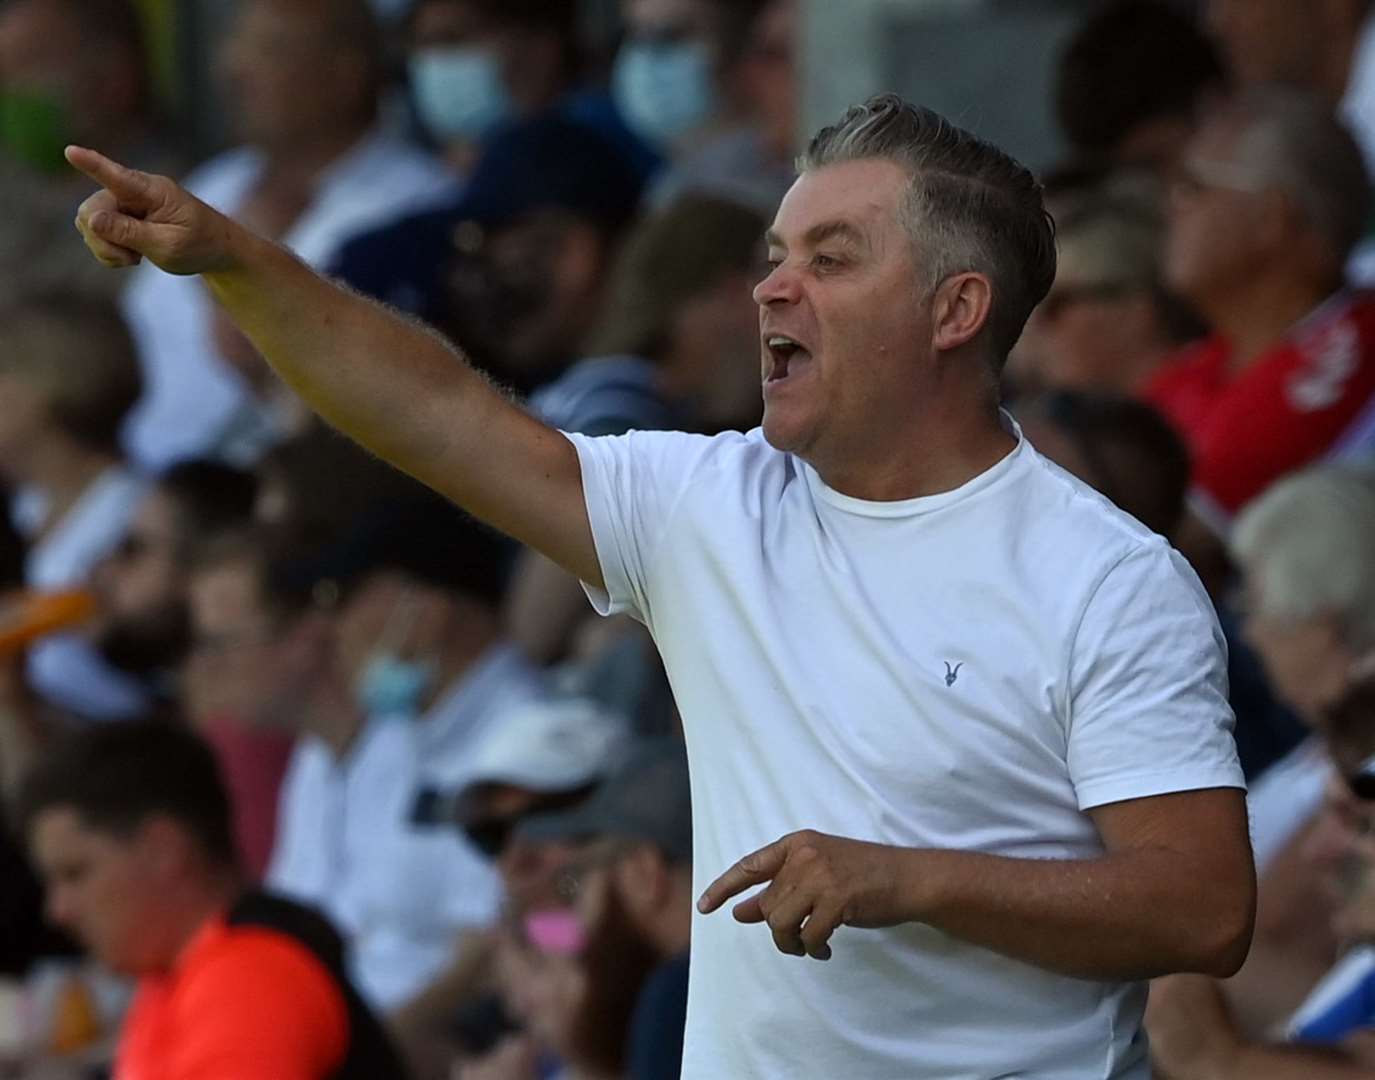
(670, 19)
(708, 368)
(1088, 335)
(842, 316)
(239, 663)
(23, 421)
(145, 622)
(1224, 221)
(111, 891)
(289, 78)
(1306, 659)
(768, 76)
(43, 52)
(526, 291)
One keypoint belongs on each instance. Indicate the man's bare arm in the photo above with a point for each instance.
(1174, 891)
(385, 381)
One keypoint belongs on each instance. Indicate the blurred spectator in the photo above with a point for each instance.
(714, 85)
(302, 79)
(629, 895)
(144, 623)
(259, 672)
(1307, 553)
(544, 756)
(418, 644)
(70, 71)
(1132, 81)
(1326, 48)
(677, 346)
(477, 65)
(514, 269)
(68, 378)
(130, 825)
(1108, 321)
(1269, 198)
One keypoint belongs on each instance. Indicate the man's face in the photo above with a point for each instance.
(1266, 40)
(234, 658)
(845, 287)
(1220, 223)
(286, 77)
(145, 621)
(101, 888)
(676, 19)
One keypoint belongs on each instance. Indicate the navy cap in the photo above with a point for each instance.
(550, 162)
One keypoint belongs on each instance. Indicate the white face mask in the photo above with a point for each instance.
(663, 90)
(459, 91)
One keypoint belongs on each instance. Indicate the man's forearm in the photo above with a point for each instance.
(1274, 1062)
(1133, 915)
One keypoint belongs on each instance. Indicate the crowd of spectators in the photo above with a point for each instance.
(439, 810)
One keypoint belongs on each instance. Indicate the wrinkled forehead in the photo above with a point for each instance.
(864, 198)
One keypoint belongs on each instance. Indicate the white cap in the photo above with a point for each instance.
(551, 744)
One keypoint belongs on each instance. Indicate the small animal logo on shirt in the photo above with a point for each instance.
(952, 673)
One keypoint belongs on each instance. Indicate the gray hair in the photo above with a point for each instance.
(970, 206)
(1308, 544)
(1293, 141)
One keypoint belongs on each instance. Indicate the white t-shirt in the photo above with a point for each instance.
(969, 670)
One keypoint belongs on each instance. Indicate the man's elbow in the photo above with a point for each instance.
(1224, 930)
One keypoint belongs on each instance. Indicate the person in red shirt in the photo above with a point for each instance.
(130, 827)
(1270, 198)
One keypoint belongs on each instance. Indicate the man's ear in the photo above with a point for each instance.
(163, 844)
(959, 310)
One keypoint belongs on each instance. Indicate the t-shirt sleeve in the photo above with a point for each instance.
(264, 1007)
(1148, 711)
(632, 484)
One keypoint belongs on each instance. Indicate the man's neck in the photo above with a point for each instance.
(301, 161)
(945, 439)
(200, 903)
(1253, 323)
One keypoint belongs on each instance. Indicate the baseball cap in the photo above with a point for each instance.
(547, 745)
(647, 797)
(550, 162)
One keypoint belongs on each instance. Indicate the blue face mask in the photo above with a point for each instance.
(663, 90)
(459, 91)
(390, 686)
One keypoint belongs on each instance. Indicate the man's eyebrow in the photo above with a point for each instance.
(826, 230)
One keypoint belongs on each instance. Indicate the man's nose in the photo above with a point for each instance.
(59, 907)
(781, 286)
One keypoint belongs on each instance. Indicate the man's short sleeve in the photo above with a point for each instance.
(262, 1007)
(1148, 712)
(632, 484)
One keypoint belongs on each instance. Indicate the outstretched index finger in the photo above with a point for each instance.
(754, 869)
(133, 189)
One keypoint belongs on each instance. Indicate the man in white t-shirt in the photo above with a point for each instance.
(965, 722)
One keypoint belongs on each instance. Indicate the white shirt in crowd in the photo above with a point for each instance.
(1358, 111)
(66, 669)
(400, 893)
(971, 670)
(191, 399)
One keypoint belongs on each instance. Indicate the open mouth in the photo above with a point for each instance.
(785, 354)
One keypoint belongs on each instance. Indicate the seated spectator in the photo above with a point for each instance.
(130, 826)
(70, 71)
(514, 268)
(1108, 321)
(713, 85)
(543, 756)
(418, 644)
(1132, 82)
(626, 895)
(143, 625)
(302, 85)
(477, 65)
(676, 347)
(1269, 199)
(68, 378)
(1193, 1032)
(1307, 554)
